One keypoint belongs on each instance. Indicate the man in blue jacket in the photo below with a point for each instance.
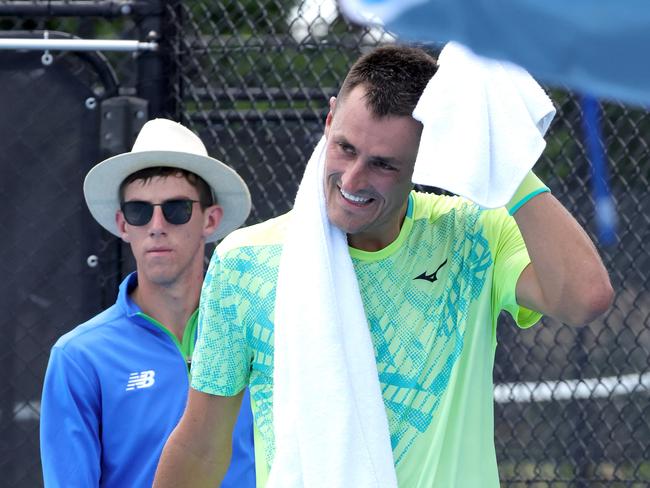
(117, 385)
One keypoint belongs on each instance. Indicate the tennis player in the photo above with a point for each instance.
(434, 273)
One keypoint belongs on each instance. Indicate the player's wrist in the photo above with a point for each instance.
(529, 188)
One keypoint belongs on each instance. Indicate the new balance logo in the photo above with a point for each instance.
(143, 379)
(430, 277)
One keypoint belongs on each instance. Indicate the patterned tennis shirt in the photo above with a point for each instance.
(432, 299)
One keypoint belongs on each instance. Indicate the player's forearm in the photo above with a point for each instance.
(573, 284)
(198, 452)
(183, 465)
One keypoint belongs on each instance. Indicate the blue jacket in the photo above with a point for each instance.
(115, 388)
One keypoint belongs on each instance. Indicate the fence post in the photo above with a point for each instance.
(151, 65)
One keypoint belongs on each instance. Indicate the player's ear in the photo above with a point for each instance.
(330, 116)
(212, 216)
(121, 226)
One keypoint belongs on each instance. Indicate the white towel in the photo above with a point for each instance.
(483, 127)
(329, 418)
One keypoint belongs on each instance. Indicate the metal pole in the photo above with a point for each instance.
(151, 73)
(76, 45)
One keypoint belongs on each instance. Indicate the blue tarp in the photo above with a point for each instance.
(599, 47)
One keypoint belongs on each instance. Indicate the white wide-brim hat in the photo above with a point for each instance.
(162, 142)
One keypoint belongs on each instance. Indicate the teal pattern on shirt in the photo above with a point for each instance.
(258, 268)
(417, 326)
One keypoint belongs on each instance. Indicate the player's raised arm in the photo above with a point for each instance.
(566, 278)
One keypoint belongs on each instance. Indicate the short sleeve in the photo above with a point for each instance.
(510, 259)
(220, 363)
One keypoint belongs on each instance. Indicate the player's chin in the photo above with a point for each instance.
(162, 275)
(348, 225)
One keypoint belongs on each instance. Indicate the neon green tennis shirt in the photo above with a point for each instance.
(432, 299)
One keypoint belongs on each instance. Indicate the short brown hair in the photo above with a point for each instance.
(206, 198)
(394, 78)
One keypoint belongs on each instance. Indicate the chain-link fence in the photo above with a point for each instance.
(253, 79)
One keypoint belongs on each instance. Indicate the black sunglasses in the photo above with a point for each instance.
(176, 212)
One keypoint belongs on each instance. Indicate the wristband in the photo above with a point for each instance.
(529, 188)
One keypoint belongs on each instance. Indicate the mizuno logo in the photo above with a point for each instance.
(430, 277)
(143, 379)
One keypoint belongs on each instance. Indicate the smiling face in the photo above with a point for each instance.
(167, 254)
(368, 168)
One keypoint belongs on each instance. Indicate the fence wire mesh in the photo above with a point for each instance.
(253, 79)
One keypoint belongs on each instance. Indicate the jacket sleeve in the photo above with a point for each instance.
(70, 424)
